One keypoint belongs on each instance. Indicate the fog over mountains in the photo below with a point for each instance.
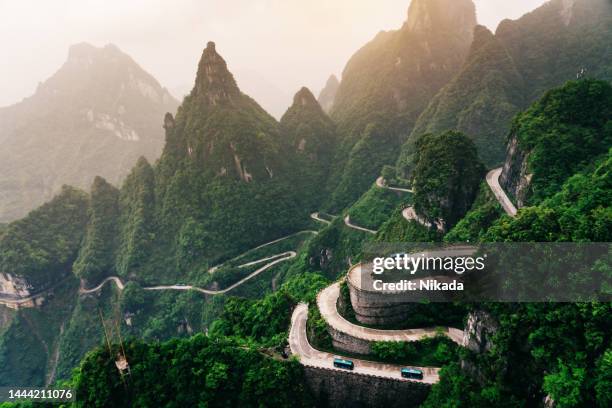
(95, 116)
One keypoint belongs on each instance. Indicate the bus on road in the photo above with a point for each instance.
(344, 364)
(412, 373)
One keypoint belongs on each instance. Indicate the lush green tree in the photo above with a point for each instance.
(446, 177)
(43, 246)
(563, 132)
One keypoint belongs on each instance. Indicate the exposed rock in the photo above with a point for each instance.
(479, 330)
(514, 178)
(14, 286)
(214, 79)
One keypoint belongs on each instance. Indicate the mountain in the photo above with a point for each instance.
(225, 166)
(507, 71)
(312, 137)
(328, 93)
(95, 116)
(229, 179)
(480, 100)
(387, 84)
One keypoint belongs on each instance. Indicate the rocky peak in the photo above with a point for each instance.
(304, 98)
(328, 94)
(426, 16)
(214, 81)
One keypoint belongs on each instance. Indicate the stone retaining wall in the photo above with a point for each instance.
(334, 388)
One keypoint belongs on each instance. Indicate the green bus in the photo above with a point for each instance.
(412, 373)
(344, 364)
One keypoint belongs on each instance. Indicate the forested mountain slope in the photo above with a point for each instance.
(387, 84)
(505, 72)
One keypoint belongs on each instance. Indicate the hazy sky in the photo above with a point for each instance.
(273, 46)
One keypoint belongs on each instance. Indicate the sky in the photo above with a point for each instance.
(273, 47)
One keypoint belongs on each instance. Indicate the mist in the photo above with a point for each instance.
(272, 46)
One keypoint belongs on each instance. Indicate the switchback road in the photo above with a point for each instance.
(347, 222)
(327, 301)
(276, 260)
(309, 356)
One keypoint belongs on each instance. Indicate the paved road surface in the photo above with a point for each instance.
(381, 183)
(298, 342)
(277, 259)
(327, 300)
(115, 279)
(347, 222)
(214, 268)
(410, 215)
(315, 216)
(498, 191)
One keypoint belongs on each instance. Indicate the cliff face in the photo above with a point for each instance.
(514, 178)
(95, 116)
(479, 330)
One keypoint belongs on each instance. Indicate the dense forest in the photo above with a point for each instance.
(234, 189)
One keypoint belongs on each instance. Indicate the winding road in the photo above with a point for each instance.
(309, 356)
(327, 300)
(500, 194)
(317, 217)
(215, 268)
(285, 256)
(347, 222)
(381, 183)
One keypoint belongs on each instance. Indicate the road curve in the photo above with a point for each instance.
(327, 300)
(410, 214)
(214, 268)
(115, 279)
(285, 256)
(381, 183)
(347, 222)
(315, 216)
(498, 191)
(309, 356)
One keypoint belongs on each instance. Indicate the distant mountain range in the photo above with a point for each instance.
(95, 116)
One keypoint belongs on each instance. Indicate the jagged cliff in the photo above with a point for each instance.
(95, 116)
